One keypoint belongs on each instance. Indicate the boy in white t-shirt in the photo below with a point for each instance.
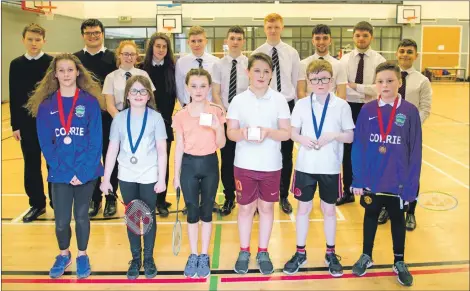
(321, 124)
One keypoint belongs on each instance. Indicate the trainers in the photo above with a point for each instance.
(410, 222)
(203, 266)
(264, 263)
(149, 268)
(61, 263)
(404, 276)
(334, 266)
(293, 265)
(361, 266)
(134, 269)
(190, 271)
(383, 216)
(241, 266)
(83, 267)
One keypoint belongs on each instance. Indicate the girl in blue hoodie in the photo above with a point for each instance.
(66, 104)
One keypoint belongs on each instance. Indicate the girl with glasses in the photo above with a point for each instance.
(138, 134)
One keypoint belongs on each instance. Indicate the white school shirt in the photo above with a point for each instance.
(29, 57)
(338, 118)
(186, 63)
(419, 92)
(115, 84)
(349, 62)
(221, 75)
(251, 111)
(146, 169)
(339, 75)
(102, 49)
(289, 61)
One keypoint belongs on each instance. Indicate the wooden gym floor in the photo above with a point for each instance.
(437, 251)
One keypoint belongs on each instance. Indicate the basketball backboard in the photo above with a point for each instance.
(169, 18)
(408, 14)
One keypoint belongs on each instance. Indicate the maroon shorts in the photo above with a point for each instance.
(251, 185)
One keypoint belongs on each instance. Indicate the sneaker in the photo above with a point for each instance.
(334, 266)
(83, 267)
(241, 266)
(203, 266)
(404, 276)
(383, 216)
(134, 269)
(61, 263)
(190, 271)
(410, 222)
(361, 266)
(264, 263)
(293, 265)
(149, 268)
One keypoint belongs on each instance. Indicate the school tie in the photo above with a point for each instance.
(402, 89)
(321, 58)
(232, 91)
(128, 75)
(360, 71)
(275, 58)
(199, 60)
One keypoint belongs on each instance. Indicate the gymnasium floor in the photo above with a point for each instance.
(437, 251)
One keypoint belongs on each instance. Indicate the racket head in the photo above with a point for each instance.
(138, 217)
(176, 238)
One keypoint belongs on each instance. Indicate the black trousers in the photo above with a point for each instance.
(161, 197)
(228, 157)
(107, 119)
(286, 173)
(33, 182)
(347, 164)
(64, 196)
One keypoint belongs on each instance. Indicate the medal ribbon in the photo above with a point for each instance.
(61, 110)
(390, 120)
(322, 120)
(129, 135)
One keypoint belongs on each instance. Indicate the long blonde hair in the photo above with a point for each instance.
(49, 84)
(147, 85)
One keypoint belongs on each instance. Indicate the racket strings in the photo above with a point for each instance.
(138, 217)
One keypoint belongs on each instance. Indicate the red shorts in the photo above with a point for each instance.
(251, 185)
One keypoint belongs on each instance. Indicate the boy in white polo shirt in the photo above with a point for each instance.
(258, 121)
(321, 124)
(321, 39)
(198, 58)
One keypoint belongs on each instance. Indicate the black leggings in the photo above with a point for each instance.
(397, 218)
(63, 196)
(199, 174)
(131, 191)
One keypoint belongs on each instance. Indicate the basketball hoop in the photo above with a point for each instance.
(49, 15)
(411, 20)
(169, 30)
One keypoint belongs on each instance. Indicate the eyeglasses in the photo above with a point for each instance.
(128, 55)
(142, 92)
(94, 33)
(316, 81)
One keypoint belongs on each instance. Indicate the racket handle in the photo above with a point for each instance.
(178, 193)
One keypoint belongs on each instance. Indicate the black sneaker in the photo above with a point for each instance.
(361, 266)
(94, 208)
(162, 210)
(334, 266)
(346, 198)
(134, 269)
(383, 216)
(109, 208)
(293, 265)
(241, 266)
(404, 276)
(410, 222)
(285, 205)
(225, 210)
(150, 269)
(264, 263)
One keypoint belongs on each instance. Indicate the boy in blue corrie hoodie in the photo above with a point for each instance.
(66, 104)
(386, 159)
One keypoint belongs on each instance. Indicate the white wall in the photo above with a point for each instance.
(147, 9)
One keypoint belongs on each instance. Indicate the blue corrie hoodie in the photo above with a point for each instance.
(398, 170)
(81, 158)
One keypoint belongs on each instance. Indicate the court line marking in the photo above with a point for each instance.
(446, 174)
(17, 219)
(446, 156)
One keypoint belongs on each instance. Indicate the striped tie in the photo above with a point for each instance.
(200, 62)
(128, 75)
(232, 91)
(275, 58)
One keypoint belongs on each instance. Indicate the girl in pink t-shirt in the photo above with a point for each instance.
(199, 133)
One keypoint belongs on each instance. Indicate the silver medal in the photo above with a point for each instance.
(133, 160)
(317, 147)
